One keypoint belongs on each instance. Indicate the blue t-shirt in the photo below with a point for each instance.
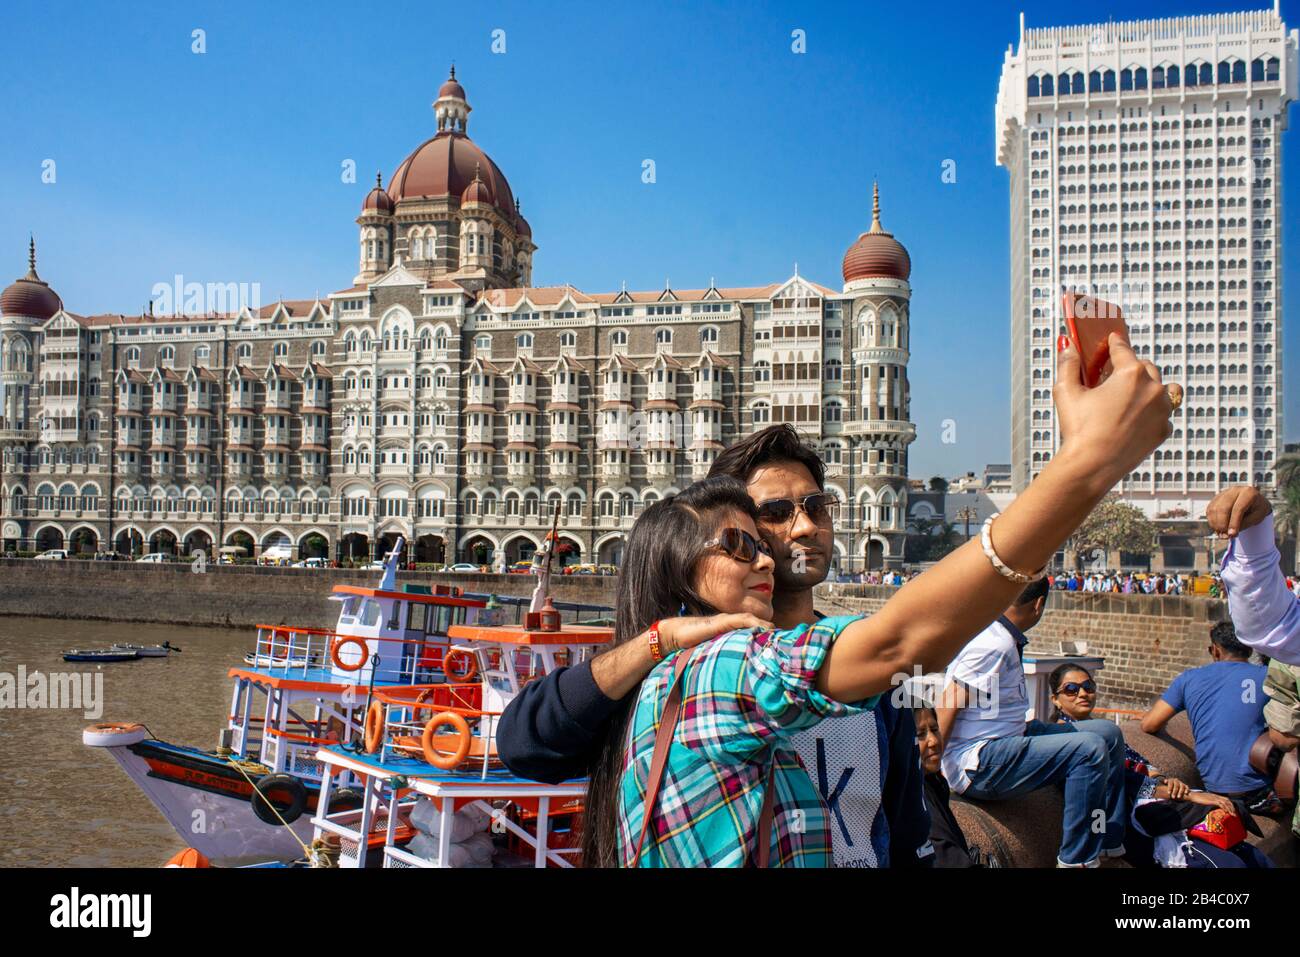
(1225, 702)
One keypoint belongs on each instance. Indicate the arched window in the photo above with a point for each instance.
(245, 351)
(618, 338)
(281, 350)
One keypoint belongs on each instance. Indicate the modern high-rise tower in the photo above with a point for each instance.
(1146, 168)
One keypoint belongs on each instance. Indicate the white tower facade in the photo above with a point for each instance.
(1145, 163)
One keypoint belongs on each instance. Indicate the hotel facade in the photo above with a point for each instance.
(1146, 168)
(444, 398)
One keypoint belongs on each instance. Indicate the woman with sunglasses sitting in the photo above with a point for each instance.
(1074, 696)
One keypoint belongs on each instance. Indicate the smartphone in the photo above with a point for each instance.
(1090, 321)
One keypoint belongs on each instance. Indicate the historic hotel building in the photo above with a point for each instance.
(1145, 160)
(442, 396)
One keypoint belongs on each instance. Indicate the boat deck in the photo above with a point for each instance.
(320, 678)
(470, 780)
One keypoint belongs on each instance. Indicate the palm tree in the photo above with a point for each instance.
(1286, 520)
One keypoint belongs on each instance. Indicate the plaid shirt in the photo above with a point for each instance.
(745, 693)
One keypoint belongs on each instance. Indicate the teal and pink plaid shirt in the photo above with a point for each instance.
(745, 693)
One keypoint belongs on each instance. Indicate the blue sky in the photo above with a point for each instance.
(225, 166)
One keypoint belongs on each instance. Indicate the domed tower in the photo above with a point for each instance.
(24, 305)
(376, 222)
(476, 227)
(448, 211)
(876, 270)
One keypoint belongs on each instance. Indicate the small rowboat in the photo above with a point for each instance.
(266, 661)
(147, 651)
(101, 655)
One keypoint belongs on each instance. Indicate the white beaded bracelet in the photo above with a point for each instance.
(986, 542)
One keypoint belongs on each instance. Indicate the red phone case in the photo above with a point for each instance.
(1090, 322)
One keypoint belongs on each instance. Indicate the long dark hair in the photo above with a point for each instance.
(657, 580)
(1054, 681)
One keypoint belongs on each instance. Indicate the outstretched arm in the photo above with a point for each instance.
(1264, 613)
(1108, 430)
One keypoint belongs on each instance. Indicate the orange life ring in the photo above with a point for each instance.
(338, 662)
(447, 762)
(448, 671)
(374, 726)
(116, 727)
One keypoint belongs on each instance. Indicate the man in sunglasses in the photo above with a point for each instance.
(867, 767)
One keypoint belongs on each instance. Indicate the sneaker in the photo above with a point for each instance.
(1095, 862)
(1114, 851)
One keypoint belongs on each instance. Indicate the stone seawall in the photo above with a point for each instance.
(236, 596)
(1146, 640)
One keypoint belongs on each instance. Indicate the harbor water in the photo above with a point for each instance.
(66, 805)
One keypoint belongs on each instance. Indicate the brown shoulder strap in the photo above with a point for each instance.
(659, 758)
(659, 761)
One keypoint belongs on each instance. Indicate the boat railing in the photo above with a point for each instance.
(412, 716)
(288, 651)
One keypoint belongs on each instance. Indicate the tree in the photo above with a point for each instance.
(938, 484)
(932, 539)
(1286, 517)
(1113, 525)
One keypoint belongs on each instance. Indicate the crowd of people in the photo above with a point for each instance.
(1126, 583)
(730, 723)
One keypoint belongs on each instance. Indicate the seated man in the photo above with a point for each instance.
(1264, 611)
(1225, 702)
(991, 754)
(1282, 712)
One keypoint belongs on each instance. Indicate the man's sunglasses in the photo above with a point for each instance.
(821, 507)
(1072, 688)
(739, 544)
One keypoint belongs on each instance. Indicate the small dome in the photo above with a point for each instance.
(451, 87)
(522, 228)
(876, 254)
(477, 191)
(377, 199)
(30, 296)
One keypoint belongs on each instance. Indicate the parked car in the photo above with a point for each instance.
(312, 563)
(606, 569)
(464, 567)
(580, 569)
(109, 557)
(154, 558)
(375, 566)
(52, 555)
(521, 568)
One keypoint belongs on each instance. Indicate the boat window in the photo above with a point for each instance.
(440, 619)
(350, 607)
(395, 619)
(370, 612)
(415, 621)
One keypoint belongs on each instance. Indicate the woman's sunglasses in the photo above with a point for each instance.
(821, 507)
(739, 544)
(1072, 688)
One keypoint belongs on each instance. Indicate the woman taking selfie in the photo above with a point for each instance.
(728, 791)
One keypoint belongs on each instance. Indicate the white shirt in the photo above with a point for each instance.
(1265, 615)
(990, 665)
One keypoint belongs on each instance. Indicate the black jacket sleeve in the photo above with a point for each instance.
(550, 731)
(902, 797)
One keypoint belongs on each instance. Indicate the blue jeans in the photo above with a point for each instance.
(1087, 757)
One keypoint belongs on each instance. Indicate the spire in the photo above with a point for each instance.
(31, 252)
(379, 179)
(452, 75)
(876, 229)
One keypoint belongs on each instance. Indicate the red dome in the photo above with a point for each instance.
(377, 199)
(476, 192)
(522, 227)
(30, 296)
(445, 166)
(876, 254)
(451, 87)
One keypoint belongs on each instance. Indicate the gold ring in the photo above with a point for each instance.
(1175, 393)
